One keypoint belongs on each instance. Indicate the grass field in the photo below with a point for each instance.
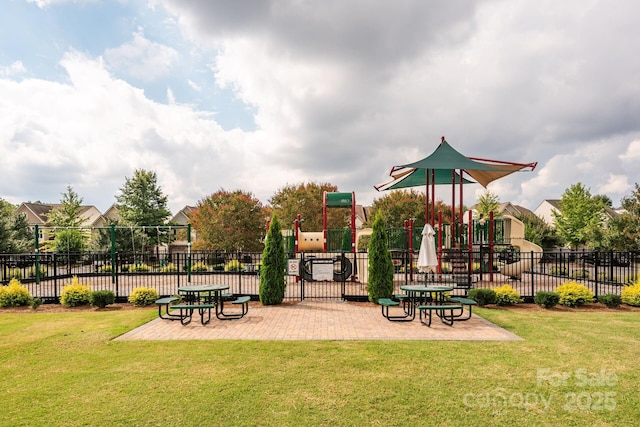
(573, 368)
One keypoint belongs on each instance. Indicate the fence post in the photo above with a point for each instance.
(533, 288)
(56, 294)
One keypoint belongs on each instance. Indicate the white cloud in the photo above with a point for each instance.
(616, 184)
(142, 59)
(341, 96)
(16, 68)
(194, 85)
(94, 131)
(45, 3)
(501, 80)
(633, 152)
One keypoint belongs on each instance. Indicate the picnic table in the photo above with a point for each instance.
(428, 299)
(417, 295)
(202, 298)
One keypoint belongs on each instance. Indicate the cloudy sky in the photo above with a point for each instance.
(255, 95)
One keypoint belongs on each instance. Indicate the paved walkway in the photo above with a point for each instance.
(313, 320)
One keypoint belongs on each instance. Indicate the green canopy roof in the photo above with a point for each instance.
(409, 177)
(446, 157)
(446, 162)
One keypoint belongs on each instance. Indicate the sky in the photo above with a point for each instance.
(258, 95)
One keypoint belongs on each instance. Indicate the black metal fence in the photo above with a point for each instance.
(321, 276)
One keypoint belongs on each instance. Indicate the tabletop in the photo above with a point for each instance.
(423, 288)
(202, 288)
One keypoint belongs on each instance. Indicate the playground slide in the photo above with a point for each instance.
(516, 269)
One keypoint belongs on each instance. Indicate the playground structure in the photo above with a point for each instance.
(516, 239)
(463, 241)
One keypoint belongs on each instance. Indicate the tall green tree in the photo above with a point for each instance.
(399, 205)
(68, 215)
(272, 270)
(380, 263)
(306, 199)
(579, 215)
(488, 202)
(230, 221)
(141, 202)
(15, 236)
(623, 231)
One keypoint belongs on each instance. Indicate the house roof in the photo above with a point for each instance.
(89, 213)
(363, 213)
(514, 209)
(553, 202)
(182, 217)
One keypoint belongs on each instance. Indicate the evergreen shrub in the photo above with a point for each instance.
(483, 296)
(610, 300)
(102, 298)
(506, 295)
(106, 268)
(142, 297)
(580, 274)
(380, 263)
(75, 293)
(169, 268)
(573, 294)
(233, 265)
(546, 299)
(199, 266)
(274, 264)
(14, 295)
(631, 294)
(140, 268)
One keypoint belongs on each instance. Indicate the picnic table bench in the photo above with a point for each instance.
(166, 302)
(443, 311)
(385, 303)
(186, 312)
(468, 302)
(242, 301)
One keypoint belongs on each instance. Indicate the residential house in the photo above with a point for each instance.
(37, 214)
(181, 242)
(547, 207)
(363, 214)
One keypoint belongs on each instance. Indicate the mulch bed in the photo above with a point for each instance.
(53, 308)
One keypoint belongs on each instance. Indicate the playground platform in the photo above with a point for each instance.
(318, 320)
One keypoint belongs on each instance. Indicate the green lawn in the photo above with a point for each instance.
(573, 368)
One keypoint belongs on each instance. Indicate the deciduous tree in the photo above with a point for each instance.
(15, 236)
(579, 214)
(623, 231)
(306, 199)
(230, 221)
(539, 232)
(399, 205)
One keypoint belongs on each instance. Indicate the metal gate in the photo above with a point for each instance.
(329, 277)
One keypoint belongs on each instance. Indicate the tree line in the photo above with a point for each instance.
(235, 220)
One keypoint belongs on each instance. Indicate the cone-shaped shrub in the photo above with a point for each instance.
(380, 264)
(272, 284)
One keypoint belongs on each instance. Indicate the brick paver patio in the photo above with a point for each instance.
(318, 320)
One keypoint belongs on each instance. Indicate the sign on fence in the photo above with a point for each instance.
(293, 267)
